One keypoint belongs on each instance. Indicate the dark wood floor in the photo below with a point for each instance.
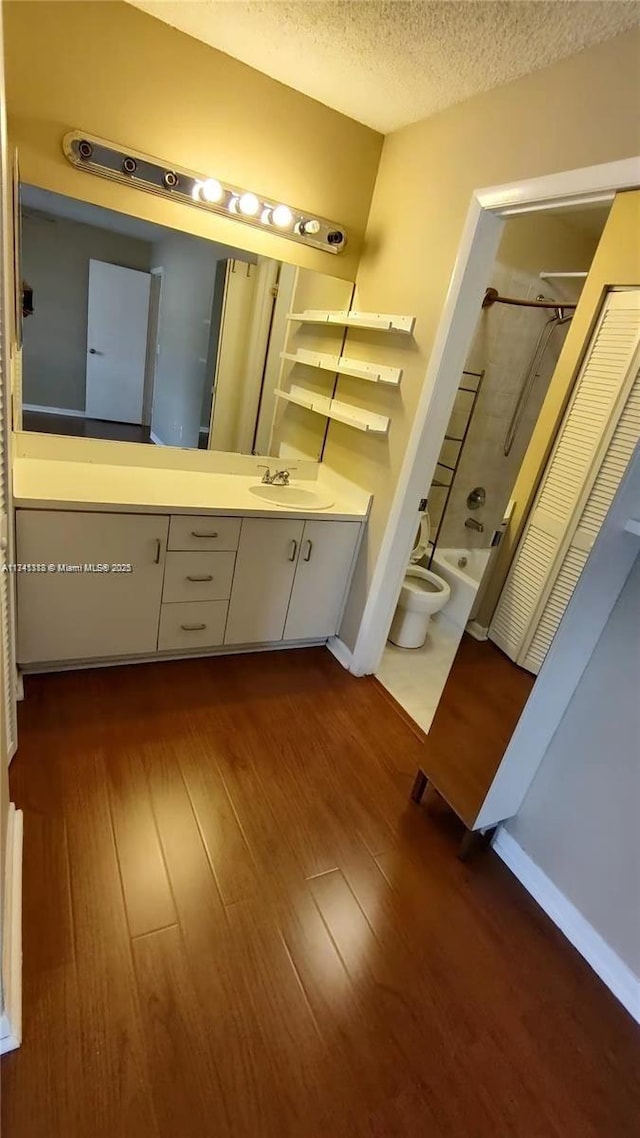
(48, 424)
(236, 925)
(482, 701)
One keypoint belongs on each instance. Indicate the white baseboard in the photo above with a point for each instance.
(11, 1017)
(338, 648)
(478, 631)
(606, 963)
(156, 439)
(54, 410)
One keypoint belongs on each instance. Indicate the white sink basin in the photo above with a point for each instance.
(293, 497)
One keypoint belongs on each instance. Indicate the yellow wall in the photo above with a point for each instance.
(115, 72)
(582, 111)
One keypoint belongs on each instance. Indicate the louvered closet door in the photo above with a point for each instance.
(594, 444)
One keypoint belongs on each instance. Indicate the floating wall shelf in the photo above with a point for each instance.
(377, 321)
(334, 409)
(342, 365)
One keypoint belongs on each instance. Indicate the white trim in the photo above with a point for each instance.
(476, 252)
(605, 962)
(54, 410)
(11, 1018)
(156, 439)
(478, 631)
(158, 657)
(338, 648)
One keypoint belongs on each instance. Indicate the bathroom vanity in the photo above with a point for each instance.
(127, 563)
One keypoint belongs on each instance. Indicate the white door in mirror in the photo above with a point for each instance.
(116, 342)
(293, 497)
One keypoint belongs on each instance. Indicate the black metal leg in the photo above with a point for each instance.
(419, 786)
(473, 842)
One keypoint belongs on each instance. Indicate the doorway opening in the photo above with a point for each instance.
(532, 289)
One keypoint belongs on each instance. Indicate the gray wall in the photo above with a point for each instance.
(579, 820)
(189, 268)
(55, 262)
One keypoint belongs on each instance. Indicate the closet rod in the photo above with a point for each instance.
(492, 296)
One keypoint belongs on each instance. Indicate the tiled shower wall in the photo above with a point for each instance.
(503, 346)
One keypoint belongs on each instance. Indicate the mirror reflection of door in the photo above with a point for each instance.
(117, 322)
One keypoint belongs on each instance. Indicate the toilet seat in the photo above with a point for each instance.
(421, 548)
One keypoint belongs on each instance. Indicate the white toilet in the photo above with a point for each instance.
(422, 594)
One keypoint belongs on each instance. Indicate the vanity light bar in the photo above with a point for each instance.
(108, 160)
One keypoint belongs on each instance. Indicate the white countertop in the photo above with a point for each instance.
(53, 484)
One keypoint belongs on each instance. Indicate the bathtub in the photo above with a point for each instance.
(463, 580)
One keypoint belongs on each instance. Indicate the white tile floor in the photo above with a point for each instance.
(416, 676)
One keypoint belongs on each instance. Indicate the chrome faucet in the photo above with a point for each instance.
(278, 478)
(472, 523)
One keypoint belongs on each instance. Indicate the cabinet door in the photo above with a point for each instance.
(265, 568)
(323, 572)
(79, 614)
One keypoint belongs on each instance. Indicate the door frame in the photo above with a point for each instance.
(153, 338)
(489, 208)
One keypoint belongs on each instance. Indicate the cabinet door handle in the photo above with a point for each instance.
(199, 533)
(193, 627)
(294, 550)
(204, 577)
(307, 556)
(156, 560)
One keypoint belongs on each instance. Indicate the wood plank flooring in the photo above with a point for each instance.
(235, 924)
(482, 701)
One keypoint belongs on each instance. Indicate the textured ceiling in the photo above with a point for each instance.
(387, 64)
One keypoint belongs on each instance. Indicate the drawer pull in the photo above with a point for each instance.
(200, 533)
(307, 556)
(193, 627)
(294, 550)
(156, 560)
(203, 577)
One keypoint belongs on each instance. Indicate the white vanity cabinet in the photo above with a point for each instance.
(324, 565)
(265, 568)
(132, 585)
(290, 579)
(74, 608)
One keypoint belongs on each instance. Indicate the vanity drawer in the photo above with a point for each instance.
(192, 624)
(203, 532)
(192, 576)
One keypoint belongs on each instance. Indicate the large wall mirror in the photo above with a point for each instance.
(142, 333)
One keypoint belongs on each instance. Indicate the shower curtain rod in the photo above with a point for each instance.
(492, 296)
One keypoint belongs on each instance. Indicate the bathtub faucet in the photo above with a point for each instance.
(472, 523)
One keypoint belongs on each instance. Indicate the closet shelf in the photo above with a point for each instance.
(377, 321)
(334, 409)
(343, 365)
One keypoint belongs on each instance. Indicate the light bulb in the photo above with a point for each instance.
(249, 204)
(211, 190)
(311, 227)
(282, 216)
